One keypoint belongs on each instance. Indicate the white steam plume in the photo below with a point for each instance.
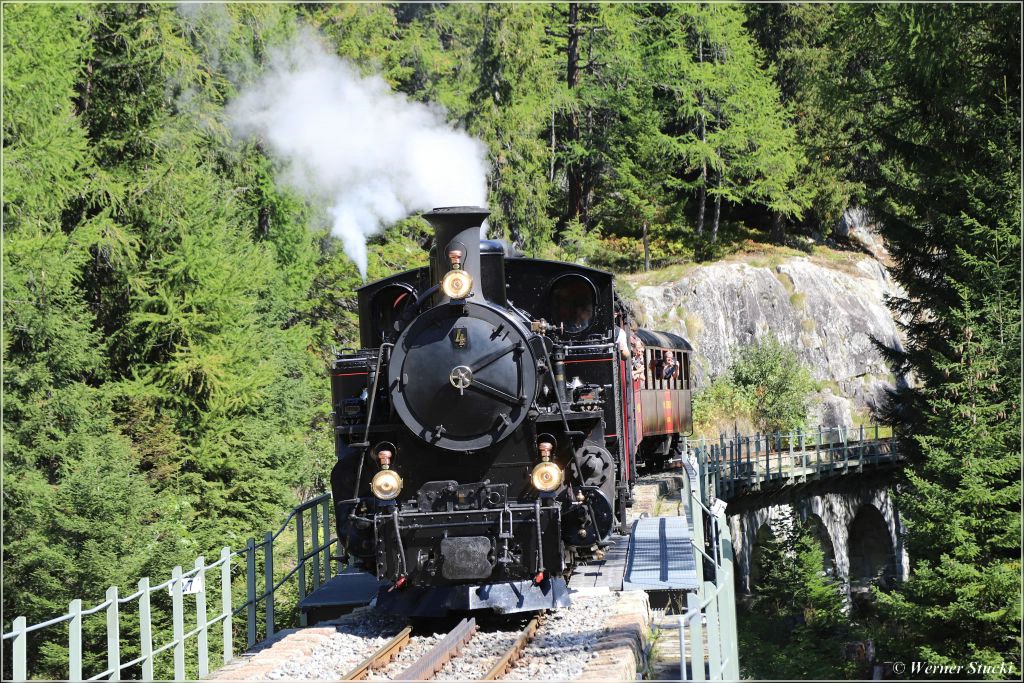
(350, 144)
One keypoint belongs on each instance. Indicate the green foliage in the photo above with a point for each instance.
(160, 394)
(578, 244)
(807, 48)
(722, 408)
(796, 625)
(767, 389)
(938, 133)
(168, 307)
(777, 385)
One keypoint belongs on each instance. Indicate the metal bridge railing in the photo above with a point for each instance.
(192, 583)
(740, 463)
(707, 630)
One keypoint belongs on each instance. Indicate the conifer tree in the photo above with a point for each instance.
(796, 624)
(939, 139)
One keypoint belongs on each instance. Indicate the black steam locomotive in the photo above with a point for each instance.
(489, 431)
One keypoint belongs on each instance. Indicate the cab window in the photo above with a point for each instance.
(388, 304)
(571, 303)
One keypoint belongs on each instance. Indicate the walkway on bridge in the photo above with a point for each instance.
(657, 554)
(743, 464)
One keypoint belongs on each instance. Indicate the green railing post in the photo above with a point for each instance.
(202, 640)
(721, 475)
(178, 621)
(846, 449)
(75, 641)
(225, 602)
(728, 605)
(721, 445)
(778, 455)
(757, 456)
(19, 650)
(250, 591)
(698, 541)
(268, 580)
(817, 454)
(113, 635)
(682, 647)
(314, 532)
(327, 539)
(145, 631)
(714, 644)
(861, 449)
(696, 637)
(792, 458)
(803, 450)
(300, 553)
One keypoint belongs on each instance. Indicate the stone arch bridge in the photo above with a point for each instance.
(837, 481)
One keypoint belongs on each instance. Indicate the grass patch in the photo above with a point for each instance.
(863, 418)
(625, 289)
(786, 280)
(843, 261)
(830, 384)
(798, 300)
(657, 276)
(693, 326)
(807, 325)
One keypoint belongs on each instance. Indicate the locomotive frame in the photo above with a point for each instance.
(488, 432)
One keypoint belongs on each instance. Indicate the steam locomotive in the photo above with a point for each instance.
(489, 431)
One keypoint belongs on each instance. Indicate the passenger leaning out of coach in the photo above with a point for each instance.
(621, 338)
(637, 349)
(670, 367)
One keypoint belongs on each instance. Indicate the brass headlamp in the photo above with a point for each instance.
(456, 283)
(387, 483)
(546, 475)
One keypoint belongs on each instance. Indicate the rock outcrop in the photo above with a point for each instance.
(828, 311)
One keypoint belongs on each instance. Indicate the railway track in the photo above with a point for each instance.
(448, 648)
(381, 657)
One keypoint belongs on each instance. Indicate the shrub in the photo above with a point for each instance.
(778, 386)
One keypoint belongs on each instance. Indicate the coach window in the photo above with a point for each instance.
(571, 302)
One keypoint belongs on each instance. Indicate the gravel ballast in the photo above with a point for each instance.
(565, 642)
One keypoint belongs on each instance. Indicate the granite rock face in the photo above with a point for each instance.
(829, 313)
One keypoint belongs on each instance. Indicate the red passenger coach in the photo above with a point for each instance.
(662, 397)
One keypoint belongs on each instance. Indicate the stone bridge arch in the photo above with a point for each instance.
(872, 553)
(765, 534)
(831, 507)
(828, 548)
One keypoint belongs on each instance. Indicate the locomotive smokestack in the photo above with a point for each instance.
(457, 236)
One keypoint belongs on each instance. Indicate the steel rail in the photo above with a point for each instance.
(382, 656)
(424, 668)
(513, 654)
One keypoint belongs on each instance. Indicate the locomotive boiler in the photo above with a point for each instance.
(487, 429)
